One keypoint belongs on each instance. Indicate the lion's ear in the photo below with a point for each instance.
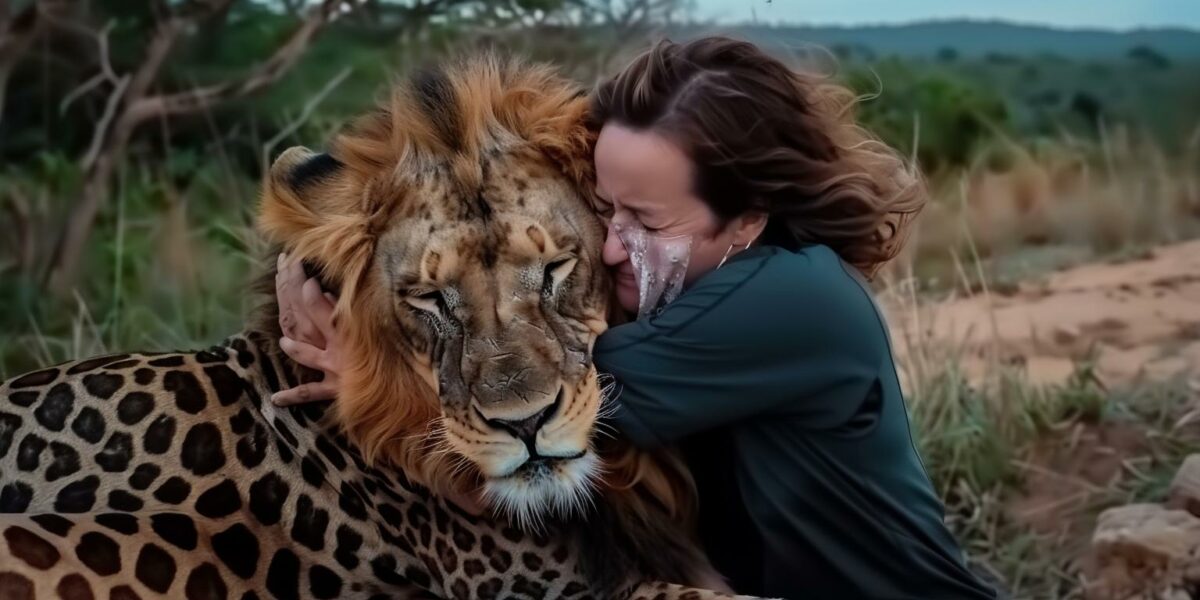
(300, 167)
(296, 193)
(305, 193)
(310, 208)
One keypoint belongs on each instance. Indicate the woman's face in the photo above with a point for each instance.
(644, 177)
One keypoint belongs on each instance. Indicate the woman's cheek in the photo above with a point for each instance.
(627, 296)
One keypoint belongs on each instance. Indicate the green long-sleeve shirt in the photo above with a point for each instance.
(775, 375)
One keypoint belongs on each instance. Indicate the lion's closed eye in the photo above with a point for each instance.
(556, 273)
(430, 301)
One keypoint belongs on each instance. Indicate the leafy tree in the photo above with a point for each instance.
(1088, 107)
(948, 117)
(947, 54)
(1147, 56)
(166, 73)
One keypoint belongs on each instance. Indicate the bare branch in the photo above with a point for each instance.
(265, 74)
(305, 113)
(130, 104)
(106, 71)
(101, 132)
(92, 83)
(165, 35)
(105, 63)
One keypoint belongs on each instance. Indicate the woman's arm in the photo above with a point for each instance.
(791, 335)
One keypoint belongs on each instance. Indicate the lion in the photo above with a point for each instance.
(457, 225)
(454, 225)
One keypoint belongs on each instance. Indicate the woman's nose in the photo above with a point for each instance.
(614, 251)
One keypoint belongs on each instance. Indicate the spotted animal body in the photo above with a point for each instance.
(453, 225)
(170, 475)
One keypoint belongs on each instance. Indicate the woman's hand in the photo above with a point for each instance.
(309, 338)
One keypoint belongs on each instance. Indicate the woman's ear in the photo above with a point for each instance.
(748, 227)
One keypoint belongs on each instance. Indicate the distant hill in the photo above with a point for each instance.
(978, 38)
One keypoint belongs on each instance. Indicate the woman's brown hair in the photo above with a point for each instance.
(766, 138)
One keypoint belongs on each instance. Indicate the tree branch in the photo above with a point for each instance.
(261, 76)
(106, 71)
(305, 113)
(102, 127)
(130, 104)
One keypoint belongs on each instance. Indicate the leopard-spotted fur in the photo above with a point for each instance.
(171, 475)
(453, 223)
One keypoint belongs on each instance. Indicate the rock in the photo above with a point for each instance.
(1144, 551)
(1065, 335)
(1185, 488)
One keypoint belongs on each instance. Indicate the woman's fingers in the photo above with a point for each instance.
(294, 319)
(287, 316)
(309, 392)
(319, 309)
(306, 318)
(305, 354)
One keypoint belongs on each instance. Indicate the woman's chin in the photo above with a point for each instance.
(627, 297)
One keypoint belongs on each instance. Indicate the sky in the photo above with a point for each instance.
(1105, 14)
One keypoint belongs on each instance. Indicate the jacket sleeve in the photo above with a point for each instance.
(784, 337)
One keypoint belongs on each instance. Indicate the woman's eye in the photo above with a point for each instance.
(604, 209)
(556, 272)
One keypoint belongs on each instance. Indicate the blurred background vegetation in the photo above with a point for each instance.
(133, 134)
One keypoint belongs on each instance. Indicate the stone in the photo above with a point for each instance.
(1184, 493)
(1065, 335)
(1144, 551)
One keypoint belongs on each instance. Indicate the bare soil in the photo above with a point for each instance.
(1137, 319)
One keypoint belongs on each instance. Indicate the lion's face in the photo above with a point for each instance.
(471, 282)
(500, 290)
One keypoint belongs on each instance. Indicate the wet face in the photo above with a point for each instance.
(504, 303)
(645, 178)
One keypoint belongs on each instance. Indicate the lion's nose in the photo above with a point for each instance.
(525, 429)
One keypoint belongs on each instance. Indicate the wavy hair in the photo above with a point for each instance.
(766, 138)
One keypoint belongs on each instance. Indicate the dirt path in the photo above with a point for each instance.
(1141, 317)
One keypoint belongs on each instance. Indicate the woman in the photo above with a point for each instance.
(772, 371)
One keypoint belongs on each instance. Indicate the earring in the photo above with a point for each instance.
(726, 257)
(730, 249)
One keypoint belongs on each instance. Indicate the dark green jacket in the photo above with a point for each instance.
(775, 375)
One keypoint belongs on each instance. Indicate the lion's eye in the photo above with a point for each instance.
(556, 272)
(429, 301)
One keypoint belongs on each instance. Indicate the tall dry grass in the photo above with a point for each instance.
(1024, 467)
(997, 445)
(1041, 206)
(169, 267)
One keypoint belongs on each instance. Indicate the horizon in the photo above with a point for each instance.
(959, 20)
(1119, 16)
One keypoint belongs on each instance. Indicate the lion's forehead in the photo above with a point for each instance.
(452, 189)
(436, 251)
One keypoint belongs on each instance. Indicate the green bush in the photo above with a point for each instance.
(947, 117)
